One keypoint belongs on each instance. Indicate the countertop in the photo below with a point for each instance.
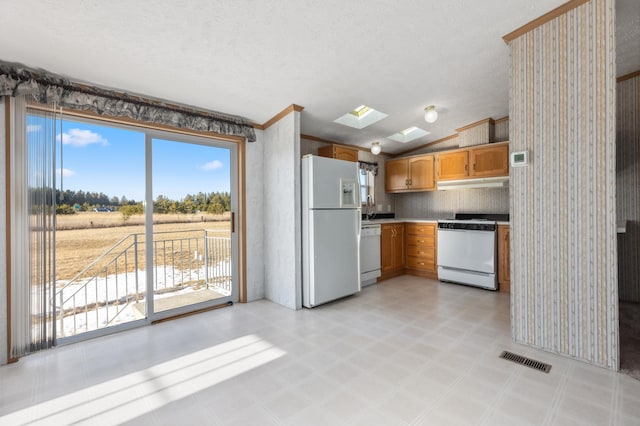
(621, 227)
(409, 220)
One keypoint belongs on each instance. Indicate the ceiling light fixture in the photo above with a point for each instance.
(375, 148)
(430, 114)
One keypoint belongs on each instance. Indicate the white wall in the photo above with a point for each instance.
(254, 167)
(281, 212)
(3, 247)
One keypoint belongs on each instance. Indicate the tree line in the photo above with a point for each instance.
(69, 202)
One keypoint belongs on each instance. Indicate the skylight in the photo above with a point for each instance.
(361, 111)
(409, 134)
(360, 117)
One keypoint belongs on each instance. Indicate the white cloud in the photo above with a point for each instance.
(33, 128)
(80, 138)
(65, 172)
(213, 165)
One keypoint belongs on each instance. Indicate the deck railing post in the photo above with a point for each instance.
(61, 312)
(135, 261)
(206, 259)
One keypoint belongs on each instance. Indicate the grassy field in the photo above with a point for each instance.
(83, 237)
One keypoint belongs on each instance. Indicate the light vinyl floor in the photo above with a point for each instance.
(408, 351)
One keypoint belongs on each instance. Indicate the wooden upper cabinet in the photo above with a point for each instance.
(338, 152)
(410, 174)
(396, 175)
(487, 161)
(453, 165)
(421, 173)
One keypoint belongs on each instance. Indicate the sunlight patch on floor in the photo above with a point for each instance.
(127, 397)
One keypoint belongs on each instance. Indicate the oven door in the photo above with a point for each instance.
(469, 250)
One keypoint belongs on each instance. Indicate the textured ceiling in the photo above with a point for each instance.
(253, 58)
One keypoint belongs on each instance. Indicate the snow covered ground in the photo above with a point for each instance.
(102, 301)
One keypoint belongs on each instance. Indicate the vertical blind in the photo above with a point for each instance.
(33, 204)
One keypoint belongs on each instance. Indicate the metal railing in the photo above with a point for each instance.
(218, 270)
(102, 294)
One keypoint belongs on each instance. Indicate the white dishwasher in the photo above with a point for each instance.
(369, 253)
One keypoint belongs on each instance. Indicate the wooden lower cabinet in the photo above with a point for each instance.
(409, 248)
(392, 248)
(504, 258)
(421, 249)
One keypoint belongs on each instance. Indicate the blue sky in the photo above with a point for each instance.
(111, 160)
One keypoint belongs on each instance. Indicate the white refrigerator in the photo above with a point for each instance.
(331, 221)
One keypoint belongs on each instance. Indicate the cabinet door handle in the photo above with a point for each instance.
(420, 241)
(474, 167)
(410, 181)
(466, 167)
(421, 263)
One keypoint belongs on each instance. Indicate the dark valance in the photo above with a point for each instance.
(46, 88)
(369, 167)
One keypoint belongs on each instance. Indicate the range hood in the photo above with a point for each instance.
(491, 182)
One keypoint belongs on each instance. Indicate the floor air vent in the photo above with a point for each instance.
(540, 366)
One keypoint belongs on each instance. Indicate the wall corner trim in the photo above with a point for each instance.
(278, 116)
(628, 76)
(426, 145)
(330, 142)
(477, 123)
(530, 26)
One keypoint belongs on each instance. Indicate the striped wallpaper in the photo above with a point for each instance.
(444, 204)
(501, 131)
(628, 186)
(476, 135)
(564, 289)
(451, 143)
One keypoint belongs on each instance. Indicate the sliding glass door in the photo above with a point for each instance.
(192, 189)
(136, 226)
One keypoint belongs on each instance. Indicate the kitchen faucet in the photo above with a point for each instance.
(370, 208)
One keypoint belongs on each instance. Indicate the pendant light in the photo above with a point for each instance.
(375, 148)
(430, 114)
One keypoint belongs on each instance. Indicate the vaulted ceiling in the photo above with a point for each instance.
(254, 58)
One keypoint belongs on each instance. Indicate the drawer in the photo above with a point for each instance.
(418, 240)
(421, 263)
(421, 252)
(427, 230)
